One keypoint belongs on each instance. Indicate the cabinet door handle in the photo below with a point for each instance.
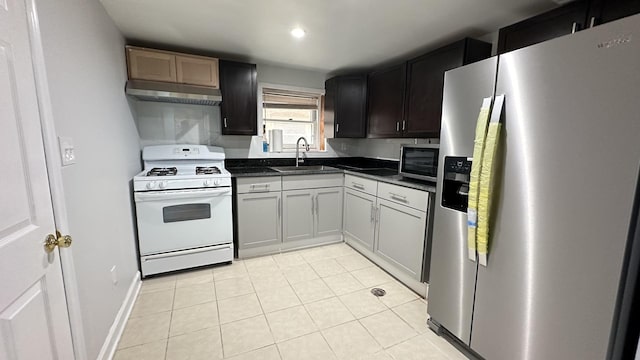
(377, 214)
(592, 22)
(397, 126)
(575, 27)
(337, 127)
(279, 208)
(373, 213)
(404, 123)
(317, 206)
(225, 122)
(313, 206)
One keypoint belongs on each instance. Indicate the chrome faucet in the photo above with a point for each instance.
(306, 145)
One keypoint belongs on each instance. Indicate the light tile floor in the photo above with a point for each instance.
(308, 304)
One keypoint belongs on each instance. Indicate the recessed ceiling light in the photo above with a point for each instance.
(297, 33)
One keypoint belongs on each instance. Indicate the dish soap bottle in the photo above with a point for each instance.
(265, 144)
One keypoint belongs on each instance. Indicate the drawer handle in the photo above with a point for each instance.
(398, 197)
(357, 186)
(260, 187)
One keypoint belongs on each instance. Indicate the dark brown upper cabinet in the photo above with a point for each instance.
(239, 87)
(346, 105)
(567, 19)
(385, 98)
(425, 82)
(406, 100)
(551, 24)
(603, 11)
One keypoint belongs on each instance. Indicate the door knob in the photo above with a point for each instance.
(51, 241)
(64, 241)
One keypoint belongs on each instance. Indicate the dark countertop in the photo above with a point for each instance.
(252, 171)
(379, 170)
(396, 180)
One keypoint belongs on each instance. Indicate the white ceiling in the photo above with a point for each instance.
(341, 34)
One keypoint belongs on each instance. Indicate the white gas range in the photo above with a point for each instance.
(183, 208)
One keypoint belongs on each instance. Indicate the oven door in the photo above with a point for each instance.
(183, 219)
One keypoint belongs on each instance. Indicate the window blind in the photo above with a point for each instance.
(283, 99)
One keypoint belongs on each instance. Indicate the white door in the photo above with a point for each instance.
(297, 221)
(400, 236)
(34, 323)
(359, 217)
(259, 220)
(328, 204)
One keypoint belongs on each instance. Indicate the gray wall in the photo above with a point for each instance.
(289, 76)
(85, 62)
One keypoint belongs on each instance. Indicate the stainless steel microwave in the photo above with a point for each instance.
(419, 161)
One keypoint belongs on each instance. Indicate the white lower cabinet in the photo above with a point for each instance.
(311, 217)
(400, 235)
(297, 220)
(359, 217)
(259, 218)
(275, 213)
(329, 213)
(388, 228)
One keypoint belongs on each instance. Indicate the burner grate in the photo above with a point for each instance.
(170, 171)
(207, 170)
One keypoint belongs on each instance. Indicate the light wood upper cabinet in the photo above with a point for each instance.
(153, 65)
(197, 70)
(159, 65)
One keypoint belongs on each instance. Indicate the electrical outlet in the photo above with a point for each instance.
(67, 151)
(114, 275)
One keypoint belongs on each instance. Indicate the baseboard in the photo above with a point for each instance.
(111, 342)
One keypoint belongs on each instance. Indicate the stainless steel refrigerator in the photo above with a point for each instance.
(568, 165)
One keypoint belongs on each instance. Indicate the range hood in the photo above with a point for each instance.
(173, 93)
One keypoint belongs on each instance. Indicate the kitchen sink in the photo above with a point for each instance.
(314, 168)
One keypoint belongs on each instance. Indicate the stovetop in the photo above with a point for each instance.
(182, 166)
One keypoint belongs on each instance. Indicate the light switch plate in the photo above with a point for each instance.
(67, 151)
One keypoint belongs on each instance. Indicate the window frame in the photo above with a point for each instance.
(319, 138)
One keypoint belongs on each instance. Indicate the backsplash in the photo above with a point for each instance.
(164, 123)
(385, 149)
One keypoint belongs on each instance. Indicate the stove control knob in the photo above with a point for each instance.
(207, 182)
(163, 184)
(216, 182)
(151, 185)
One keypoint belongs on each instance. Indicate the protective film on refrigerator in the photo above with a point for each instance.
(487, 177)
(474, 178)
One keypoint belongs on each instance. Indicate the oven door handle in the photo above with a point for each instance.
(187, 252)
(180, 194)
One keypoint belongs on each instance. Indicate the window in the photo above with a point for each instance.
(296, 113)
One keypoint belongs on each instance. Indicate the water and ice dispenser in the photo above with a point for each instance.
(455, 185)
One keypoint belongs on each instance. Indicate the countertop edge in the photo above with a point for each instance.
(399, 182)
(405, 183)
